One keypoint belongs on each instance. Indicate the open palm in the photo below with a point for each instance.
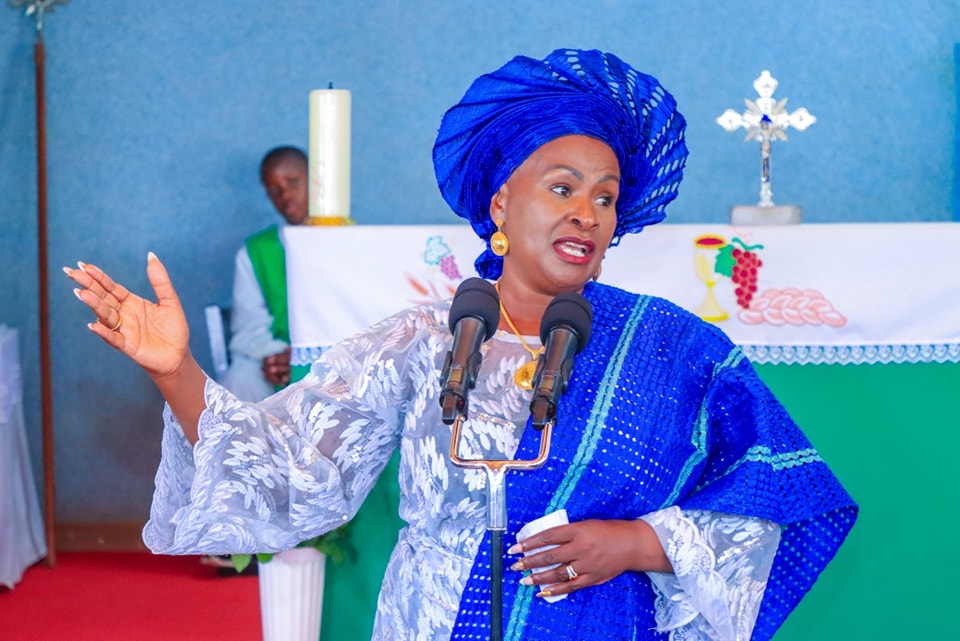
(154, 335)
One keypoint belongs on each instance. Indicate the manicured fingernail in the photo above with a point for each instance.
(516, 548)
(518, 566)
(76, 292)
(66, 270)
(544, 593)
(82, 265)
(151, 256)
(526, 581)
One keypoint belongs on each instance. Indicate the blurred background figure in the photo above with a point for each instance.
(259, 330)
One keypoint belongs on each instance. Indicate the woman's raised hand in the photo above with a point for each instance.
(154, 335)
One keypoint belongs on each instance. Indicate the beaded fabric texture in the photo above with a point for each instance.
(509, 113)
(662, 409)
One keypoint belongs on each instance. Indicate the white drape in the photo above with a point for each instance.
(22, 540)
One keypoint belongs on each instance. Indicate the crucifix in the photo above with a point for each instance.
(765, 120)
(37, 8)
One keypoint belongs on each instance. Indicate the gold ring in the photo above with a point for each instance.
(571, 573)
(115, 327)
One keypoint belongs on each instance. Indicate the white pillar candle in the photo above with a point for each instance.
(329, 153)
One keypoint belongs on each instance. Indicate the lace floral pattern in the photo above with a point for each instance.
(721, 564)
(265, 476)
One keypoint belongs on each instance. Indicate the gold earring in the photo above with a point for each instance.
(498, 241)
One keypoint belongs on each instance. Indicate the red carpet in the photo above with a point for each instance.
(129, 596)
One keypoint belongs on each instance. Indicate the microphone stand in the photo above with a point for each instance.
(497, 509)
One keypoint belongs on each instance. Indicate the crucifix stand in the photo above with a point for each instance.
(772, 215)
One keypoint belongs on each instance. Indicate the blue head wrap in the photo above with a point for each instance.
(506, 115)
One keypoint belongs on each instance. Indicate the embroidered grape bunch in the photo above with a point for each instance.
(740, 262)
(438, 253)
(448, 265)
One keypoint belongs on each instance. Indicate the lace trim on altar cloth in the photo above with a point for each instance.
(306, 355)
(852, 354)
(790, 354)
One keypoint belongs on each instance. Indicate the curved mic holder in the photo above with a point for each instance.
(496, 470)
(497, 510)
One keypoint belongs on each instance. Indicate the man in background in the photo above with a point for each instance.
(259, 330)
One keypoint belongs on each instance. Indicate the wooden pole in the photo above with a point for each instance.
(46, 388)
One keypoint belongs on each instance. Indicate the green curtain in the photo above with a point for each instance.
(891, 433)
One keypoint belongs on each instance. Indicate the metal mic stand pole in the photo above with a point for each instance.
(497, 510)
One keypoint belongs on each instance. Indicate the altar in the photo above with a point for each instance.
(830, 293)
(855, 327)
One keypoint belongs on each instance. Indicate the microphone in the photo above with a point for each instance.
(474, 317)
(564, 330)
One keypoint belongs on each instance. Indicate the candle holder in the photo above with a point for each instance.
(329, 221)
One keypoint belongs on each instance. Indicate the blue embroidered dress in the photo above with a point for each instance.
(664, 419)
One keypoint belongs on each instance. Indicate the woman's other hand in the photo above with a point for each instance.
(589, 553)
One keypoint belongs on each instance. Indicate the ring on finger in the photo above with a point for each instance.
(571, 573)
(115, 327)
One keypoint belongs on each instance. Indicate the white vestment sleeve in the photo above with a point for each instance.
(721, 564)
(250, 320)
(251, 338)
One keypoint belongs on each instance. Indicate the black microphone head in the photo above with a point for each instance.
(570, 309)
(478, 298)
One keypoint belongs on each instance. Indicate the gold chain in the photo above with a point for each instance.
(523, 377)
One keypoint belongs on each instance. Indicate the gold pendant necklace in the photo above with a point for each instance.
(523, 377)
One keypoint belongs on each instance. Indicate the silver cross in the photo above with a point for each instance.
(766, 120)
(37, 7)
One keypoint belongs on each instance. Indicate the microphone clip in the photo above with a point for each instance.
(458, 383)
(552, 384)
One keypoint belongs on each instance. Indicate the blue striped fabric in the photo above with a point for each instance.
(662, 409)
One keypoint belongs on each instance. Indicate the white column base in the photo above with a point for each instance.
(291, 595)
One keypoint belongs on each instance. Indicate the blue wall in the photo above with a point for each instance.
(956, 135)
(159, 111)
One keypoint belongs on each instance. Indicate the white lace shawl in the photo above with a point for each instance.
(265, 476)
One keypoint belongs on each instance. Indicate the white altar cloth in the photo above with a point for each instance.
(21, 529)
(826, 293)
